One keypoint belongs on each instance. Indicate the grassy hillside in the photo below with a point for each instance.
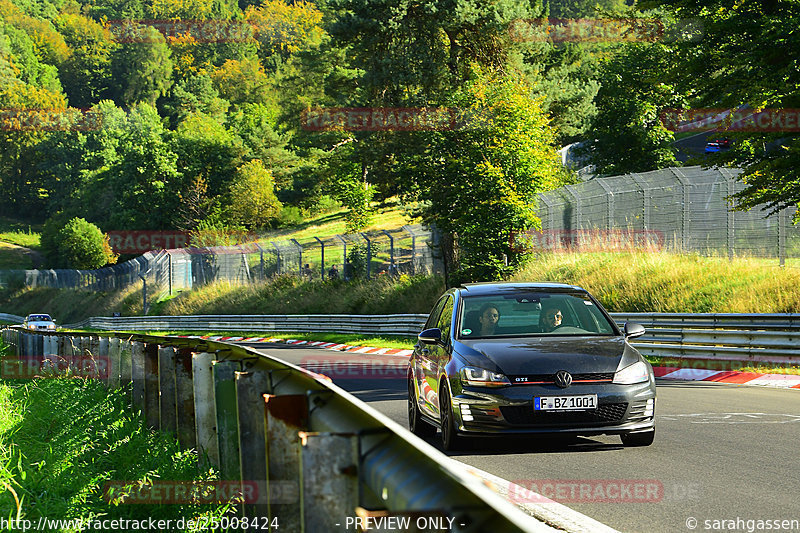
(19, 244)
(665, 282)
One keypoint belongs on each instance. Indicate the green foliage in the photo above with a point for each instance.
(77, 244)
(629, 135)
(252, 202)
(58, 460)
(480, 183)
(86, 73)
(746, 60)
(143, 70)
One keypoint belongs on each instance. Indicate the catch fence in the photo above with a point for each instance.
(368, 254)
(682, 209)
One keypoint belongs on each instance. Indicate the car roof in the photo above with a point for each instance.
(487, 288)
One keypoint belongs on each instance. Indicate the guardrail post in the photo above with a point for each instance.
(137, 376)
(104, 358)
(285, 416)
(184, 398)
(250, 390)
(124, 349)
(151, 413)
(39, 345)
(330, 479)
(205, 411)
(227, 427)
(168, 417)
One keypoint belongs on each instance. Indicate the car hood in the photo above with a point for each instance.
(548, 355)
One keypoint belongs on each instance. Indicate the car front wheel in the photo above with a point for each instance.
(638, 439)
(451, 441)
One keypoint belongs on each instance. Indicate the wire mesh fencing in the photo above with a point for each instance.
(363, 255)
(681, 209)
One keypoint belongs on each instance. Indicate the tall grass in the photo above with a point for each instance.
(291, 295)
(62, 439)
(668, 282)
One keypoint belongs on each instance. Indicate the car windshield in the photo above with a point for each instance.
(532, 314)
(39, 318)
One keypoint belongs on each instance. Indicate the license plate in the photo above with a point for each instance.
(584, 402)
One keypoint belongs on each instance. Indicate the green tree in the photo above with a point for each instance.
(86, 73)
(75, 244)
(628, 133)
(746, 58)
(479, 184)
(251, 197)
(142, 70)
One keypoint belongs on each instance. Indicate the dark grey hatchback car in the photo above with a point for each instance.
(525, 358)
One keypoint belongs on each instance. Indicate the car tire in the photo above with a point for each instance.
(638, 439)
(416, 424)
(451, 441)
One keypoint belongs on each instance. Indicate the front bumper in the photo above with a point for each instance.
(509, 410)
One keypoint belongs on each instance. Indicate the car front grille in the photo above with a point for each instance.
(525, 415)
(550, 378)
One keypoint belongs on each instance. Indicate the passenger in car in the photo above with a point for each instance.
(489, 317)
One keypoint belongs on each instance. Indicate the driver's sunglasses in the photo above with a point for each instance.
(553, 316)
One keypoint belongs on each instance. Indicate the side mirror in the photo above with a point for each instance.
(633, 330)
(430, 336)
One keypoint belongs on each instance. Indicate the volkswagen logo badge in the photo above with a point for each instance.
(563, 379)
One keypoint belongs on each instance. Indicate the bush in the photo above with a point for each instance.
(75, 244)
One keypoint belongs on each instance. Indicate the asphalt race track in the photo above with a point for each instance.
(722, 452)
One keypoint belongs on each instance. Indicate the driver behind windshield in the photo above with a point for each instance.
(550, 318)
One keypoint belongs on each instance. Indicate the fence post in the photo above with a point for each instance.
(299, 256)
(392, 267)
(413, 249)
(205, 411)
(168, 417)
(344, 255)
(322, 258)
(577, 213)
(369, 253)
(278, 257)
(685, 201)
(782, 216)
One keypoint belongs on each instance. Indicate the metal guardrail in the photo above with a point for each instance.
(265, 422)
(408, 325)
(5, 317)
(729, 337)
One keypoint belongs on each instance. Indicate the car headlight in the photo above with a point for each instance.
(480, 377)
(31, 326)
(51, 326)
(635, 373)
